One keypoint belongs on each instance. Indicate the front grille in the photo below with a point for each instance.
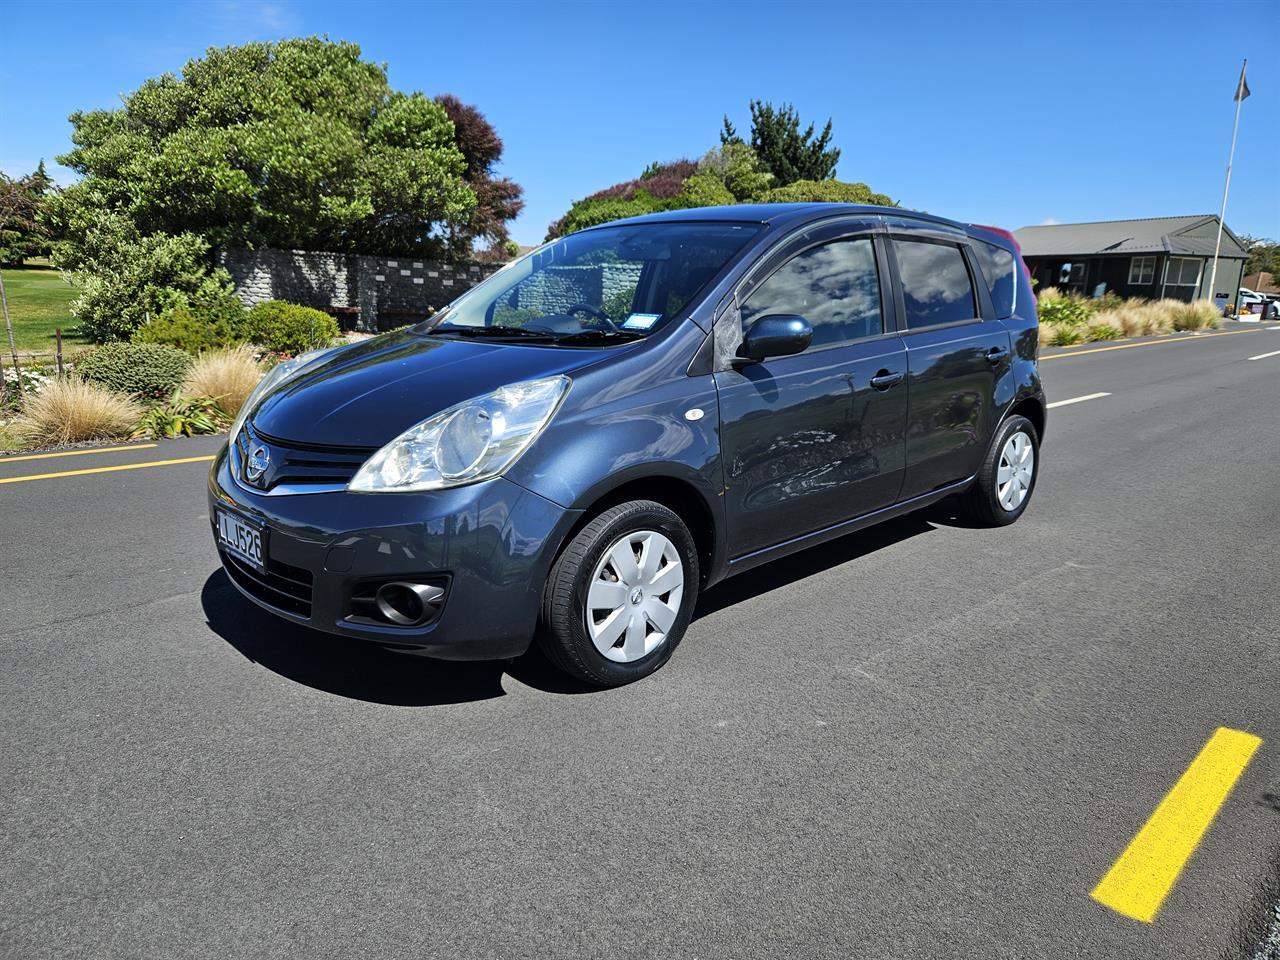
(298, 464)
(283, 586)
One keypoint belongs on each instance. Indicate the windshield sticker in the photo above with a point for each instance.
(641, 321)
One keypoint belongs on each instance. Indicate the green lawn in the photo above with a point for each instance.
(39, 302)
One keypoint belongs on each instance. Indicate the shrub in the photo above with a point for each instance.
(1196, 316)
(125, 277)
(288, 328)
(186, 329)
(225, 376)
(70, 410)
(148, 370)
(825, 191)
(1062, 310)
(183, 416)
(1066, 335)
(1107, 302)
(1100, 329)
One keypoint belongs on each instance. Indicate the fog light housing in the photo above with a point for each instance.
(401, 602)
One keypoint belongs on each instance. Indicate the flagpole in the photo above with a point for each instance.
(1217, 247)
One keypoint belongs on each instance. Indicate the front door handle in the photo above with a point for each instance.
(996, 354)
(886, 379)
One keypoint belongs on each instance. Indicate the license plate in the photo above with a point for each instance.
(241, 538)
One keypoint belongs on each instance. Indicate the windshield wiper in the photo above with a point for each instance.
(505, 333)
(596, 336)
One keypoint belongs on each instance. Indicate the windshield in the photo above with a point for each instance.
(612, 283)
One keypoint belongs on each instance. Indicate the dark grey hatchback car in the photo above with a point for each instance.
(577, 446)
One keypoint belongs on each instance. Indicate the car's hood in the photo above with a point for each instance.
(368, 394)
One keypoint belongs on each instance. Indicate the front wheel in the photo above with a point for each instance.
(620, 595)
(1007, 477)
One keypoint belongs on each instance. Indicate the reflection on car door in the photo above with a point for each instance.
(808, 440)
(953, 359)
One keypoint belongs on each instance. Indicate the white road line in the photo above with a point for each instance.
(1263, 356)
(1090, 396)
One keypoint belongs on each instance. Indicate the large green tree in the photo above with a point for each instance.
(783, 150)
(298, 144)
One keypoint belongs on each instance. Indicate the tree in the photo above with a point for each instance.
(730, 174)
(1264, 256)
(298, 144)
(782, 149)
(499, 200)
(657, 188)
(22, 203)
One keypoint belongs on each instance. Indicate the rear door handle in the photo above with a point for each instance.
(996, 354)
(886, 379)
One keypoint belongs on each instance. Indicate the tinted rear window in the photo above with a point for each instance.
(998, 266)
(935, 283)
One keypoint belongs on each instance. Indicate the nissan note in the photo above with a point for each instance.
(575, 448)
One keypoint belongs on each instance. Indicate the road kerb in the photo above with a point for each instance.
(76, 453)
(1202, 337)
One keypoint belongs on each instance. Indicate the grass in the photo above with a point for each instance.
(227, 376)
(70, 410)
(39, 301)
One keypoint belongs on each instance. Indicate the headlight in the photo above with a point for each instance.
(285, 370)
(472, 441)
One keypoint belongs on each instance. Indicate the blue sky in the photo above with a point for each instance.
(1010, 114)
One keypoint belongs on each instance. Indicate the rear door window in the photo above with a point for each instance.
(998, 266)
(935, 283)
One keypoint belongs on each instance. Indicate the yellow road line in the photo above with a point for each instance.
(1142, 877)
(76, 453)
(120, 466)
(1149, 343)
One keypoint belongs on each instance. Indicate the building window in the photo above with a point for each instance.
(1182, 272)
(1142, 270)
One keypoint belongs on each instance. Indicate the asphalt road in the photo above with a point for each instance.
(922, 741)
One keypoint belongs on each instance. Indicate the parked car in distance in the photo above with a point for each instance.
(578, 446)
(1246, 298)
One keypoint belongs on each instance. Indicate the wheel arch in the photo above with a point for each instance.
(684, 495)
(1033, 409)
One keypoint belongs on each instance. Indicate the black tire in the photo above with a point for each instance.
(982, 500)
(562, 633)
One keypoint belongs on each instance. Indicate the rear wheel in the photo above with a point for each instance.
(1007, 477)
(620, 595)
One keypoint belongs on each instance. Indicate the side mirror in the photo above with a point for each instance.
(777, 335)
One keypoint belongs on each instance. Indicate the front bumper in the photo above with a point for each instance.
(493, 542)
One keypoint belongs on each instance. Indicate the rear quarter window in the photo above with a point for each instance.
(998, 269)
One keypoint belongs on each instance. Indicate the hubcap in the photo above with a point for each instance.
(1017, 466)
(634, 596)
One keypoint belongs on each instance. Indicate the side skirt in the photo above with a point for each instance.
(844, 528)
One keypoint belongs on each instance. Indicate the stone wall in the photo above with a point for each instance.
(555, 289)
(363, 292)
